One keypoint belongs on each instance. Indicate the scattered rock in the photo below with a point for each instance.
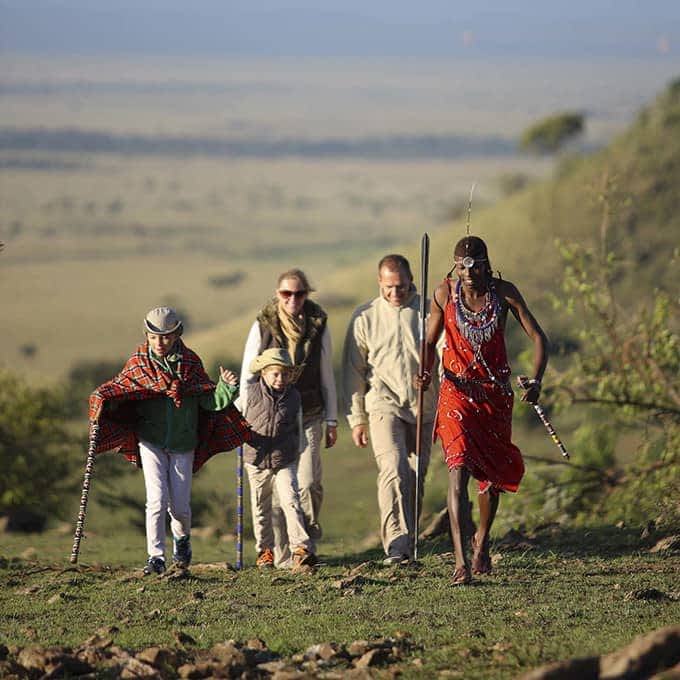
(229, 653)
(158, 656)
(648, 530)
(191, 671)
(360, 568)
(273, 666)
(373, 657)
(182, 638)
(290, 673)
(57, 597)
(98, 641)
(646, 655)
(324, 651)
(572, 669)
(352, 582)
(256, 643)
(358, 648)
(670, 543)
(652, 594)
(134, 668)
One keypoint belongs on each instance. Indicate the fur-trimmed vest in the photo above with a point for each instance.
(308, 351)
(273, 417)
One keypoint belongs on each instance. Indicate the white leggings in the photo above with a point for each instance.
(167, 478)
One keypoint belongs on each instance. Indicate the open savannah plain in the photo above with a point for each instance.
(126, 184)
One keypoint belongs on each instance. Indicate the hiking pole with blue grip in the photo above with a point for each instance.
(523, 382)
(239, 508)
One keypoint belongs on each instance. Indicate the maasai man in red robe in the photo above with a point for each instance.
(474, 414)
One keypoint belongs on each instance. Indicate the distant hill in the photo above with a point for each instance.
(642, 165)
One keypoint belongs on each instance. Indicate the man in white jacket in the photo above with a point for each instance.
(380, 358)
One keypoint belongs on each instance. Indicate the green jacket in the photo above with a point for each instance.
(162, 424)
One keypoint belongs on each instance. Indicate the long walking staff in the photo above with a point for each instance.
(424, 259)
(239, 508)
(89, 466)
(523, 382)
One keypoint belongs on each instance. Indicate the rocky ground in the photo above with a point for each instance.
(656, 655)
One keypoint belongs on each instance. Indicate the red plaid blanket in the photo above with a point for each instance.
(141, 378)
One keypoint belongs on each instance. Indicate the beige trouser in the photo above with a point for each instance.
(262, 485)
(394, 441)
(311, 495)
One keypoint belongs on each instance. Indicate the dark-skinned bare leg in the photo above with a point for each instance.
(459, 507)
(488, 506)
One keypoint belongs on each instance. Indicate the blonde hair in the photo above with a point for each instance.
(296, 274)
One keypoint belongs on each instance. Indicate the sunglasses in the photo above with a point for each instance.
(298, 294)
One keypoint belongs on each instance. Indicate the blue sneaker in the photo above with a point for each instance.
(181, 552)
(155, 565)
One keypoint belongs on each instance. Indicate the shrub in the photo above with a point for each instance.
(35, 454)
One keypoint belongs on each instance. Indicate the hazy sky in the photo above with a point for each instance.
(607, 28)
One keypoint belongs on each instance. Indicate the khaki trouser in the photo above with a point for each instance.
(262, 485)
(394, 441)
(311, 495)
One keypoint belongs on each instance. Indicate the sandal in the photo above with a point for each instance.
(461, 577)
(481, 560)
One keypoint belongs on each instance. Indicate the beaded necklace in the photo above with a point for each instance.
(478, 327)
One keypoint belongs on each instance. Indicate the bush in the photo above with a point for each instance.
(35, 455)
(551, 133)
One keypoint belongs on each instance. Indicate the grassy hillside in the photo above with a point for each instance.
(640, 174)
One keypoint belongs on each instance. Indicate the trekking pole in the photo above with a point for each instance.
(89, 466)
(424, 258)
(523, 382)
(239, 508)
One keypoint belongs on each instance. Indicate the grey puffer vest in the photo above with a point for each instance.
(273, 417)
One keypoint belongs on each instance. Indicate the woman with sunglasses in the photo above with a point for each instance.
(294, 322)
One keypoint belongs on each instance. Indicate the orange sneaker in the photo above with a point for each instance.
(265, 559)
(303, 560)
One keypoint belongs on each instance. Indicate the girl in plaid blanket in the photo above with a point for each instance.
(165, 413)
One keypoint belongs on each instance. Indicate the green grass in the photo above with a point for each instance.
(574, 594)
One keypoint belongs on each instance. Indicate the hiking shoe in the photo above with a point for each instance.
(181, 553)
(265, 559)
(303, 560)
(155, 565)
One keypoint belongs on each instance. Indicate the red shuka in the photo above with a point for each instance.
(474, 413)
(141, 378)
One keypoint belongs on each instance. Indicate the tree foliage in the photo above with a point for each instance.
(626, 376)
(550, 134)
(36, 454)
